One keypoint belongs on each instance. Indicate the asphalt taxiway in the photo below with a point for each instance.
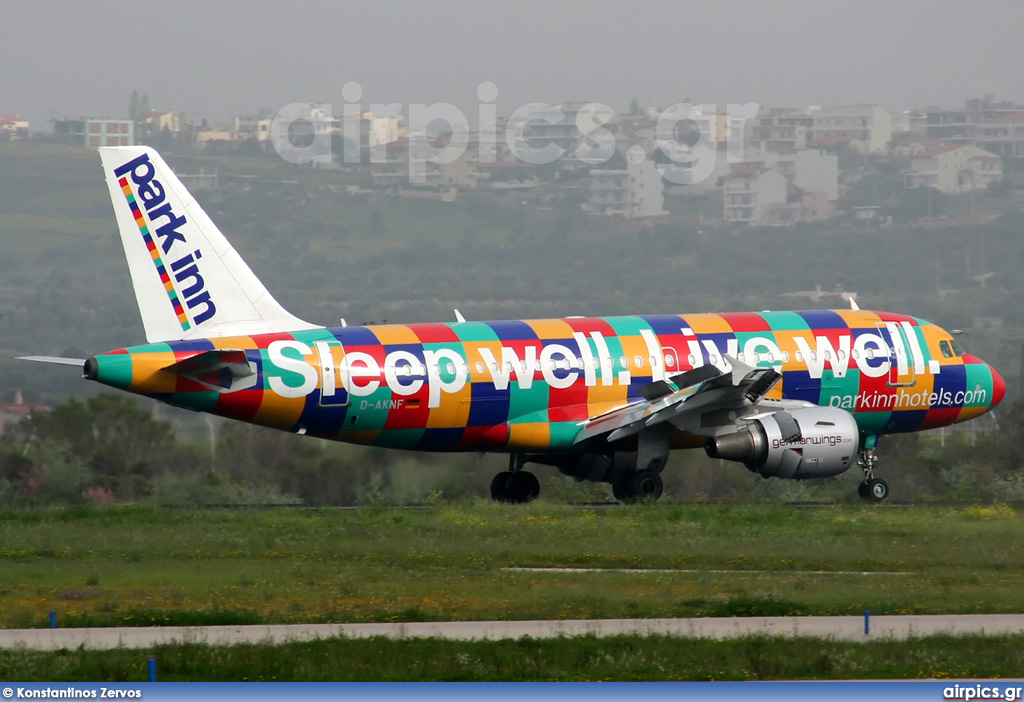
(846, 628)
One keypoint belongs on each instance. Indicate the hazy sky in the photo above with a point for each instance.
(215, 59)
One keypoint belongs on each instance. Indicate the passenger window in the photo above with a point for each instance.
(947, 352)
(669, 360)
(479, 367)
(639, 362)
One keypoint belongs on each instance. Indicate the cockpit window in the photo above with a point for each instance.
(947, 352)
(958, 350)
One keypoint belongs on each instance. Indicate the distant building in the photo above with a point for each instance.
(954, 168)
(13, 127)
(749, 192)
(95, 132)
(1004, 137)
(783, 129)
(634, 191)
(254, 127)
(18, 411)
(909, 144)
(207, 135)
(863, 128)
(812, 172)
(159, 121)
(961, 125)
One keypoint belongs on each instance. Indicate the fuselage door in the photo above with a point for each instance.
(333, 371)
(901, 366)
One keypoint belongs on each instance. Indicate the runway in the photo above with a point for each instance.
(837, 628)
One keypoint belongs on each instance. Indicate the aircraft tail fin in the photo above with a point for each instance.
(189, 281)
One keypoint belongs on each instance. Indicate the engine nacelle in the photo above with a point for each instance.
(817, 442)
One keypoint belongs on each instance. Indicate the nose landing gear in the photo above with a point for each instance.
(872, 489)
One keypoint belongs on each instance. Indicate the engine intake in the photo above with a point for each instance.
(816, 442)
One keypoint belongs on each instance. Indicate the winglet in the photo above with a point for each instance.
(459, 317)
(853, 303)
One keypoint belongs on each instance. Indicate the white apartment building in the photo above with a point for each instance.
(783, 129)
(1004, 137)
(748, 193)
(865, 128)
(635, 191)
(954, 168)
(253, 127)
(811, 170)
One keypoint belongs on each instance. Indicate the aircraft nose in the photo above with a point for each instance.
(998, 387)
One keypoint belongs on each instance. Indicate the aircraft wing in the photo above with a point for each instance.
(696, 392)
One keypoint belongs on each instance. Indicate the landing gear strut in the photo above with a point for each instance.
(515, 484)
(872, 489)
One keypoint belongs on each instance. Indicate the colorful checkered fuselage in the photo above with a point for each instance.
(526, 385)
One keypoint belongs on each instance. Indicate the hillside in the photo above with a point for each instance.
(327, 254)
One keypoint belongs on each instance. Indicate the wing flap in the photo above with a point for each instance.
(704, 389)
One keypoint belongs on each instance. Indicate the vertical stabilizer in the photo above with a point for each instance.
(189, 281)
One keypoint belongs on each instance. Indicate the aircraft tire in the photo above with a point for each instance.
(498, 486)
(863, 490)
(644, 486)
(521, 487)
(878, 490)
(620, 487)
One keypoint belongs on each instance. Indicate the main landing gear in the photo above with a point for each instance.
(515, 484)
(872, 489)
(637, 486)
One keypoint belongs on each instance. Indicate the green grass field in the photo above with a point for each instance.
(143, 566)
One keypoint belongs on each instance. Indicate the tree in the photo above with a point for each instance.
(925, 201)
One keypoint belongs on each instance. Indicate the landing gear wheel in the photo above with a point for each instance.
(498, 485)
(620, 487)
(878, 490)
(644, 486)
(521, 487)
(864, 490)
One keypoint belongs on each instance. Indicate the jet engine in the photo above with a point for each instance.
(816, 442)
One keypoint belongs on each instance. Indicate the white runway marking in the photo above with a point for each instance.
(642, 571)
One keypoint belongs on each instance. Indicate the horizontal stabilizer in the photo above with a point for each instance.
(207, 361)
(55, 360)
(224, 370)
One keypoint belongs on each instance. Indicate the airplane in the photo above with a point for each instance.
(789, 395)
